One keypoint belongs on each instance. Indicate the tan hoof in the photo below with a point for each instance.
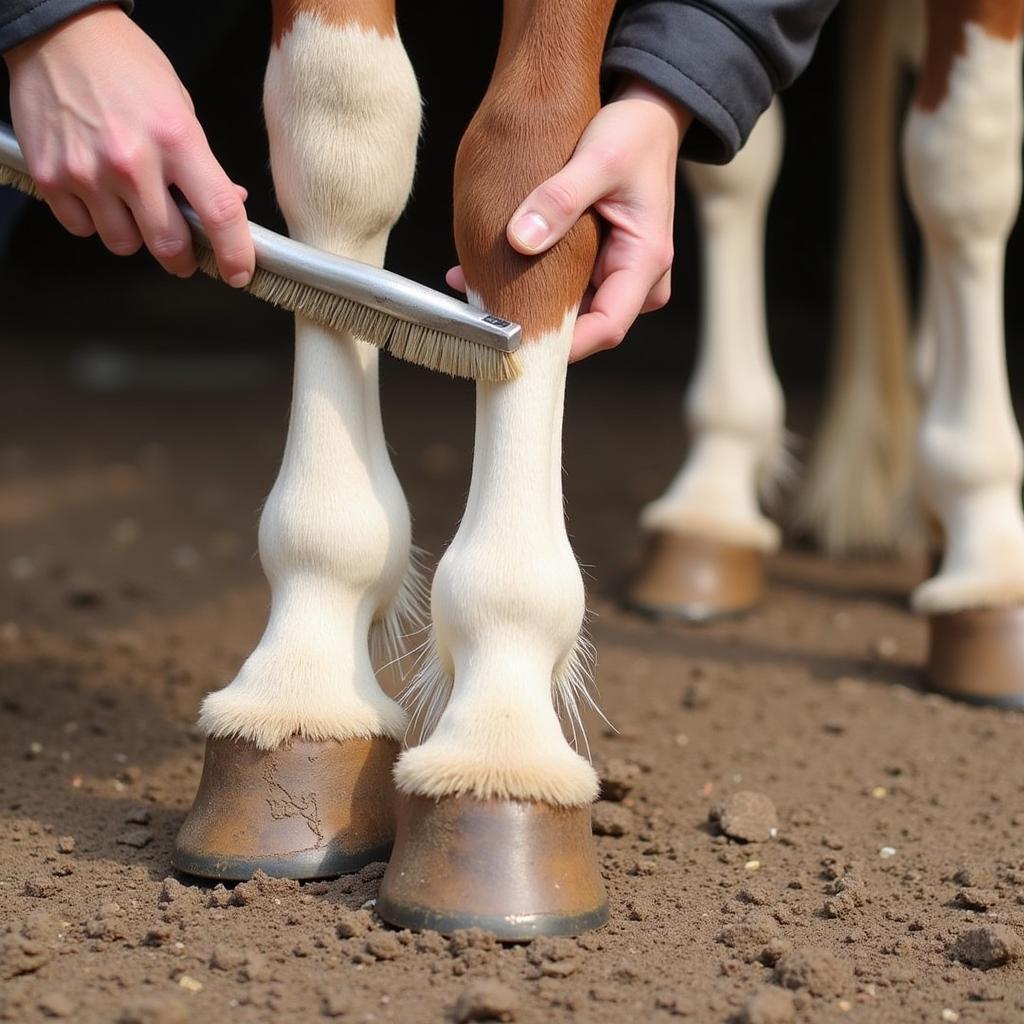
(978, 656)
(695, 579)
(304, 810)
(518, 869)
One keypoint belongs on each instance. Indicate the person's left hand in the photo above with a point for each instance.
(624, 166)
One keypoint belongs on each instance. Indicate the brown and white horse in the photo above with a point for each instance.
(303, 754)
(961, 155)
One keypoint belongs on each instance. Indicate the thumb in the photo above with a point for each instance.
(552, 208)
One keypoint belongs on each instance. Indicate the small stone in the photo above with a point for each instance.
(886, 647)
(769, 1006)
(887, 852)
(486, 1000)
(34, 750)
(746, 816)
(950, 1015)
(190, 984)
(138, 816)
(609, 819)
(136, 836)
(988, 947)
(66, 844)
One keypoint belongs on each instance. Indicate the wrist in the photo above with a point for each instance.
(92, 18)
(637, 89)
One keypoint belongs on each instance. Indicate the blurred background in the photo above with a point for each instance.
(92, 323)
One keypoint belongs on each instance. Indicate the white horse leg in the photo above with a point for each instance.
(707, 533)
(301, 745)
(962, 149)
(494, 821)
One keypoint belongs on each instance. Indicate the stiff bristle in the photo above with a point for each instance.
(411, 342)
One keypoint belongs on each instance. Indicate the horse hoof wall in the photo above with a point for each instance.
(517, 869)
(977, 656)
(697, 580)
(305, 810)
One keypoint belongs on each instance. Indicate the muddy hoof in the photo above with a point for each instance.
(518, 869)
(696, 579)
(305, 810)
(978, 656)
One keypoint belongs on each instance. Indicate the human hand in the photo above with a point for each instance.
(107, 128)
(624, 166)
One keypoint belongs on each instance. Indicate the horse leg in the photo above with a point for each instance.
(707, 536)
(962, 151)
(297, 779)
(494, 820)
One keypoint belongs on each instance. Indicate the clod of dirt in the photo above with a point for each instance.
(138, 816)
(41, 888)
(848, 893)
(746, 816)
(697, 695)
(66, 844)
(991, 946)
(768, 1006)
(226, 958)
(135, 836)
(464, 939)
(56, 1004)
(154, 1010)
(353, 924)
(261, 889)
(618, 778)
(976, 899)
(610, 820)
(814, 971)
(21, 955)
(335, 1002)
(383, 946)
(971, 875)
(486, 1000)
(750, 936)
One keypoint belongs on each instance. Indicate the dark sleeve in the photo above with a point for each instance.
(723, 59)
(23, 19)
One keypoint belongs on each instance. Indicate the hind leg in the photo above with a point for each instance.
(301, 744)
(962, 149)
(707, 535)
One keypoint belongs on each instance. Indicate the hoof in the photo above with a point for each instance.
(518, 869)
(977, 656)
(691, 578)
(304, 810)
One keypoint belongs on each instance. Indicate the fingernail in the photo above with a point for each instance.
(531, 230)
(240, 280)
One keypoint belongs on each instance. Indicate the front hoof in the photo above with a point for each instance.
(304, 810)
(516, 868)
(977, 656)
(697, 580)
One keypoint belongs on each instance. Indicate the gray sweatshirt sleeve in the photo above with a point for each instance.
(23, 19)
(723, 59)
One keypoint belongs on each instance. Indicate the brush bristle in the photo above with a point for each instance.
(413, 343)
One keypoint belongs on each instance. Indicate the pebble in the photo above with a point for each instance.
(190, 984)
(135, 836)
(335, 1002)
(66, 844)
(747, 816)
(486, 1000)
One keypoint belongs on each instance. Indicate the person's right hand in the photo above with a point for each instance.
(107, 128)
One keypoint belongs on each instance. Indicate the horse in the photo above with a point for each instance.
(304, 775)
(707, 534)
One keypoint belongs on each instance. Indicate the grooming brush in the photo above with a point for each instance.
(409, 320)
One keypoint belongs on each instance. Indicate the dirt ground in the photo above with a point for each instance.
(893, 891)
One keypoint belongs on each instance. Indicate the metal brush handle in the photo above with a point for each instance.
(388, 293)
